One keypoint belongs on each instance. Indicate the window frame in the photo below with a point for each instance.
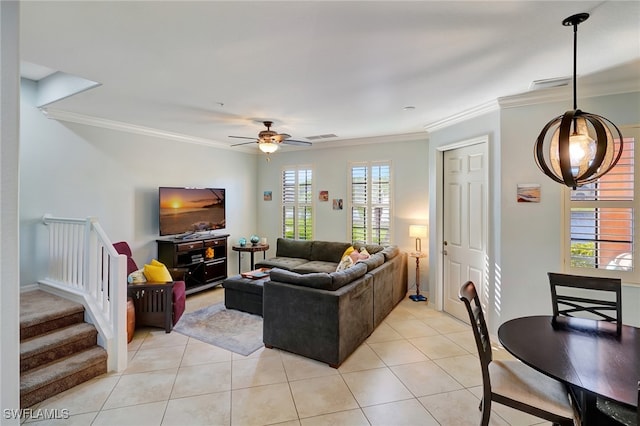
(297, 203)
(632, 276)
(369, 205)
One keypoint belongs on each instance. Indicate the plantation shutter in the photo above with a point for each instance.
(602, 218)
(371, 202)
(297, 203)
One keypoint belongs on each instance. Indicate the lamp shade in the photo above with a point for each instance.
(268, 147)
(418, 231)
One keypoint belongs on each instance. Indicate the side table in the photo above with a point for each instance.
(250, 249)
(418, 297)
(153, 304)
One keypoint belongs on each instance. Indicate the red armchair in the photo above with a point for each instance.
(156, 305)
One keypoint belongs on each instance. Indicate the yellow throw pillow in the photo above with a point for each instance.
(347, 252)
(157, 273)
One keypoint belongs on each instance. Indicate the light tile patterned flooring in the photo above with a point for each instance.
(419, 367)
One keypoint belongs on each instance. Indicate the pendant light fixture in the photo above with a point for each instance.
(577, 147)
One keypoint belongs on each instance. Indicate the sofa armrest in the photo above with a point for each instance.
(319, 324)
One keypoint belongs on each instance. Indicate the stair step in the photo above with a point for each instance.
(38, 384)
(41, 312)
(55, 345)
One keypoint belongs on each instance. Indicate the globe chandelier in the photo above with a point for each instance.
(577, 147)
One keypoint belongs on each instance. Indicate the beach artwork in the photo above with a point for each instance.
(528, 193)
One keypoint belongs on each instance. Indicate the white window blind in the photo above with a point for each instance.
(370, 202)
(602, 219)
(297, 203)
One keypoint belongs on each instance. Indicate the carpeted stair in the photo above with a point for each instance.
(58, 349)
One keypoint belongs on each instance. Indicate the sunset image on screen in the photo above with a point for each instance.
(184, 210)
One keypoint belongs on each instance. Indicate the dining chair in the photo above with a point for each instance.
(590, 297)
(511, 382)
(621, 414)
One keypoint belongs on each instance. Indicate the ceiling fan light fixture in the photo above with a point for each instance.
(268, 147)
(577, 148)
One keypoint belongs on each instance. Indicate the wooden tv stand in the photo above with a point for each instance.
(203, 257)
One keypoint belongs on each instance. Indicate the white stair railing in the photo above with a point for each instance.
(84, 267)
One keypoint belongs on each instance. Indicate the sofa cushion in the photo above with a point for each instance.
(373, 261)
(314, 266)
(328, 251)
(371, 248)
(288, 263)
(320, 280)
(390, 252)
(344, 277)
(293, 248)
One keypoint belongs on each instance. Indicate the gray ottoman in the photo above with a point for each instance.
(243, 294)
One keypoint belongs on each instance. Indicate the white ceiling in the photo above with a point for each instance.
(210, 69)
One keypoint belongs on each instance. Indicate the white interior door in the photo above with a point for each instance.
(464, 223)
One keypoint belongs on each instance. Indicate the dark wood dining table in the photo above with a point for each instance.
(583, 353)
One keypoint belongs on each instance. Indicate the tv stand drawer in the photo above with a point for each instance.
(189, 246)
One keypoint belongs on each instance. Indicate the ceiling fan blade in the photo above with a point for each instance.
(242, 137)
(244, 143)
(295, 142)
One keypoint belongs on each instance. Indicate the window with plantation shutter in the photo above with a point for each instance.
(370, 202)
(297, 203)
(601, 220)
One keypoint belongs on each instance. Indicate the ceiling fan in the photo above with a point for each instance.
(269, 141)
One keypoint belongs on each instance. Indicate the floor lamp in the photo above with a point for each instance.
(418, 232)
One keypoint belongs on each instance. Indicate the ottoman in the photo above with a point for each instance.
(244, 294)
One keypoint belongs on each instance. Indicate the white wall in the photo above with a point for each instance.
(409, 156)
(531, 233)
(525, 238)
(9, 184)
(74, 170)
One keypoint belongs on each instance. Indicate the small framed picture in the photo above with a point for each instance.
(323, 196)
(528, 193)
(337, 203)
(268, 195)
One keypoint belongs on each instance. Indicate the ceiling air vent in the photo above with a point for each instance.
(325, 136)
(549, 82)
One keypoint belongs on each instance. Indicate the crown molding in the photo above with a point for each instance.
(72, 117)
(404, 137)
(565, 93)
(463, 116)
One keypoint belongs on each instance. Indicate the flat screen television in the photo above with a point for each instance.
(187, 211)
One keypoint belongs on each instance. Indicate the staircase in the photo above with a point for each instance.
(58, 349)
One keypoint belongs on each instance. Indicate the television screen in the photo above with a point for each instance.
(190, 210)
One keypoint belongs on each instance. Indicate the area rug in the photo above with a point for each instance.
(233, 330)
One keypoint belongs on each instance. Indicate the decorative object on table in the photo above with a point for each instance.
(242, 242)
(254, 239)
(263, 241)
(528, 193)
(209, 253)
(418, 232)
(578, 147)
(257, 274)
(236, 331)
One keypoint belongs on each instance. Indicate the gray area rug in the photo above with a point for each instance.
(233, 330)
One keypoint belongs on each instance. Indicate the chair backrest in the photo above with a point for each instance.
(123, 248)
(469, 296)
(586, 304)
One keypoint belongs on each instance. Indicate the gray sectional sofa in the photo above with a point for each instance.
(312, 310)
